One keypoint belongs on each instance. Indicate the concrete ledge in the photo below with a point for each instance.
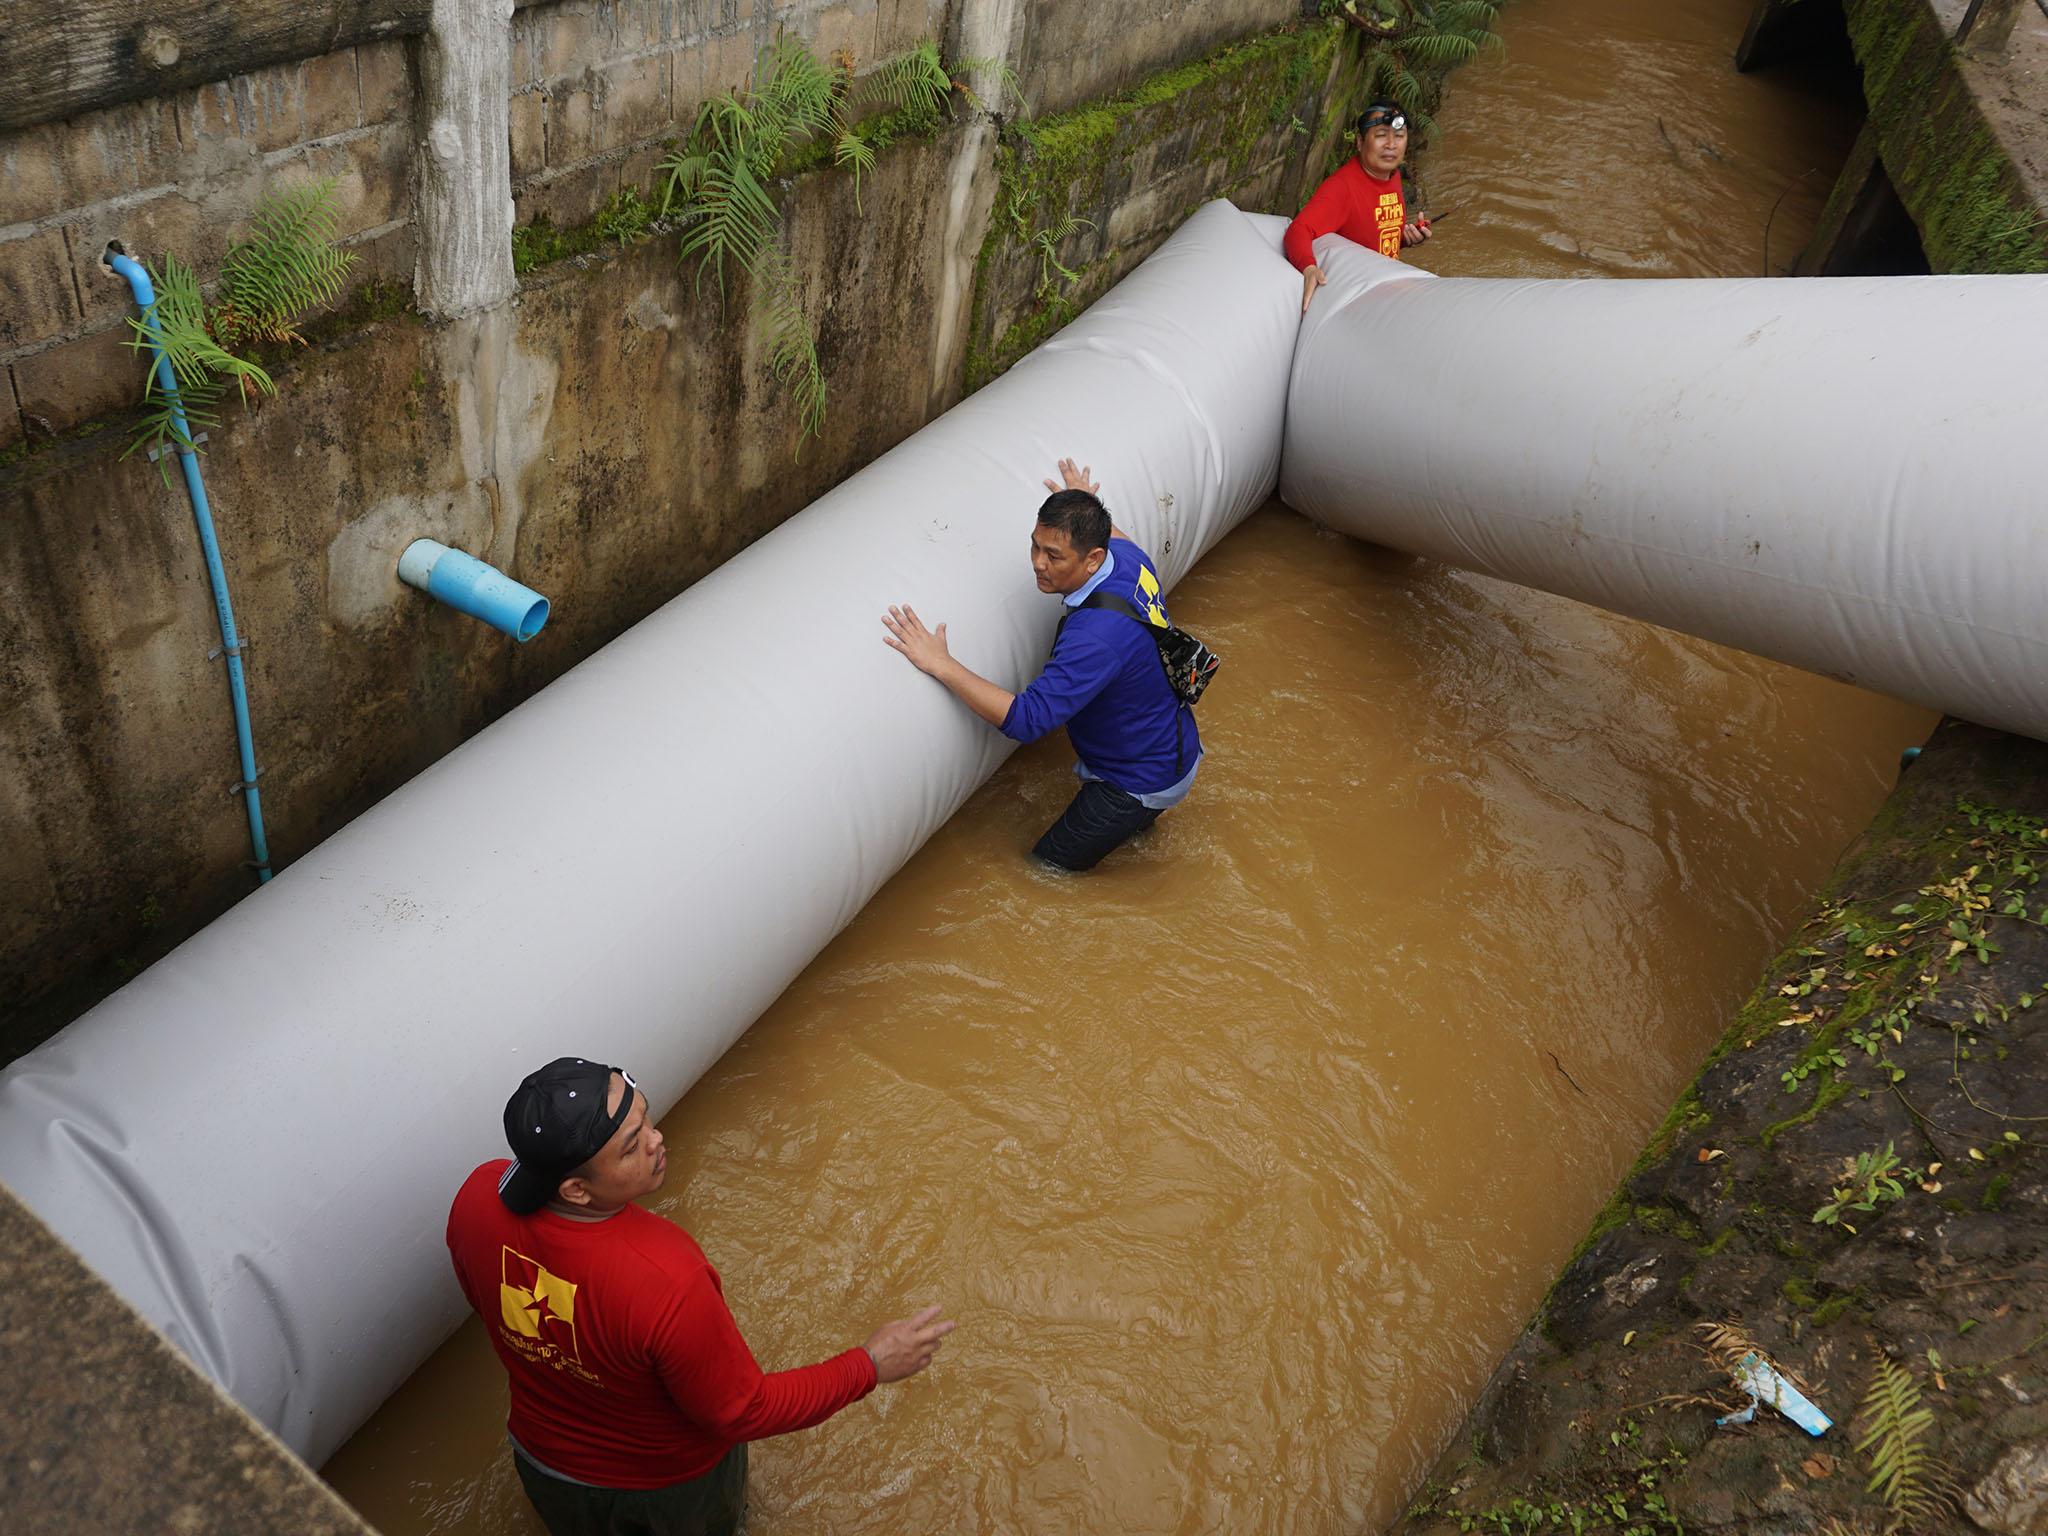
(108, 1429)
(1961, 126)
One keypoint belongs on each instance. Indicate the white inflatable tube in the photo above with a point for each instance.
(257, 1139)
(1841, 473)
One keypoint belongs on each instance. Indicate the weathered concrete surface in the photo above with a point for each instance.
(1864, 230)
(1106, 182)
(1962, 127)
(1073, 51)
(108, 1429)
(608, 439)
(1881, 1026)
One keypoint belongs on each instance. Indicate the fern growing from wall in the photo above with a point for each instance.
(287, 266)
(1410, 45)
(718, 182)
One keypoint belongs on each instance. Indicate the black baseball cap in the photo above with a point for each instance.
(1382, 114)
(556, 1122)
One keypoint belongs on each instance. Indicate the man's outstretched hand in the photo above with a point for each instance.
(906, 1346)
(1077, 478)
(1073, 479)
(926, 648)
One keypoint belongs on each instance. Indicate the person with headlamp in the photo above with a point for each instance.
(1363, 201)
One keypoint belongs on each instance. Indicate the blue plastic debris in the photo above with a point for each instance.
(1757, 1377)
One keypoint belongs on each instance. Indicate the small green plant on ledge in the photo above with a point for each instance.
(287, 266)
(1871, 1180)
(796, 112)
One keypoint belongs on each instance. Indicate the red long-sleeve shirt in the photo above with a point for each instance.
(1363, 209)
(627, 1368)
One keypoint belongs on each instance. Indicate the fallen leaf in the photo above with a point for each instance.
(1975, 1154)
(1708, 1154)
(1931, 1186)
(1628, 1338)
(1933, 1169)
(2003, 1309)
(1818, 1465)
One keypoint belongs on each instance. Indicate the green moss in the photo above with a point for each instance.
(1972, 204)
(539, 244)
(1994, 1192)
(1834, 1307)
(28, 449)
(1666, 1221)
(1053, 169)
(1831, 1090)
(1720, 1240)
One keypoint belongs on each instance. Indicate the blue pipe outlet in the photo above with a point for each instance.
(216, 574)
(469, 586)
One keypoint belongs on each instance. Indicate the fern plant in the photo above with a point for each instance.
(717, 181)
(288, 265)
(1411, 44)
(1047, 243)
(1903, 1469)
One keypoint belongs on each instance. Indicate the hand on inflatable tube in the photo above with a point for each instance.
(926, 649)
(906, 1346)
(1076, 479)
(1311, 279)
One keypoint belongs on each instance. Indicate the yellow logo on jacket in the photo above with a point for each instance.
(1389, 217)
(1149, 598)
(537, 1309)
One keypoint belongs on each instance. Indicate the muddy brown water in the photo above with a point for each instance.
(1241, 1160)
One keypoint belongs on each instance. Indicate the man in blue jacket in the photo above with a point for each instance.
(1137, 744)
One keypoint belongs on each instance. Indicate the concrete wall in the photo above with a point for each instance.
(609, 436)
(1956, 135)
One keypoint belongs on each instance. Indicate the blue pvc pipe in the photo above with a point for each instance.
(469, 586)
(202, 515)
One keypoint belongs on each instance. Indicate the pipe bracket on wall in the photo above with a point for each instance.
(469, 586)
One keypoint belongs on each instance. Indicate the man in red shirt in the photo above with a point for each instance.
(1363, 201)
(633, 1394)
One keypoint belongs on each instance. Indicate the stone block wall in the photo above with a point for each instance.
(599, 86)
(180, 175)
(1070, 53)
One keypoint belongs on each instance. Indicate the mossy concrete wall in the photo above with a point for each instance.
(608, 438)
(1083, 196)
(1961, 126)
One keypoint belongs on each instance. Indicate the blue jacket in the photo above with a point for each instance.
(1105, 684)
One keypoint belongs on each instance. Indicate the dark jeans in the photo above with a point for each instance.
(714, 1504)
(1100, 817)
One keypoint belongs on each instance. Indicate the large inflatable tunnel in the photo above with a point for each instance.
(255, 1141)
(1846, 474)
